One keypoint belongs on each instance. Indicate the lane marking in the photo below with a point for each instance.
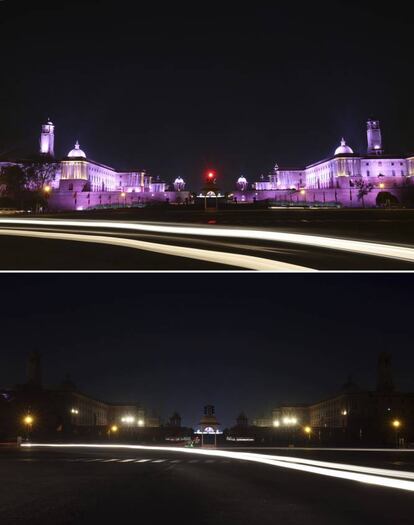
(364, 247)
(127, 460)
(110, 460)
(159, 460)
(142, 461)
(228, 259)
(390, 480)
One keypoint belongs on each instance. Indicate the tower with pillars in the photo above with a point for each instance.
(47, 139)
(374, 137)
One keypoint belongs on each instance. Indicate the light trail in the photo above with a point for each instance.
(388, 478)
(229, 259)
(390, 251)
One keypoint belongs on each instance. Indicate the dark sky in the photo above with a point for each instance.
(180, 88)
(241, 342)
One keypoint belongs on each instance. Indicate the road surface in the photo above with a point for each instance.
(81, 485)
(72, 244)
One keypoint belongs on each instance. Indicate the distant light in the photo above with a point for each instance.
(308, 430)
(123, 194)
(114, 428)
(47, 189)
(303, 192)
(288, 421)
(396, 423)
(127, 419)
(140, 422)
(344, 412)
(74, 411)
(382, 185)
(276, 424)
(28, 420)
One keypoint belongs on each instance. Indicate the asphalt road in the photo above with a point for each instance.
(80, 486)
(58, 246)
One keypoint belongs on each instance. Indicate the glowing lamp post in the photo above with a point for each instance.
(47, 191)
(113, 430)
(396, 425)
(303, 193)
(123, 195)
(28, 421)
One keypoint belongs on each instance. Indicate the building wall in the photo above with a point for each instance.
(89, 412)
(82, 200)
(345, 197)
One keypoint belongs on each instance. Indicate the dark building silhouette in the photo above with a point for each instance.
(175, 420)
(385, 382)
(34, 369)
(242, 421)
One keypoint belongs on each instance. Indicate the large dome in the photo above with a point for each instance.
(343, 149)
(77, 152)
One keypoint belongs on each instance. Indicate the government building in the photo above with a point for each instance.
(346, 179)
(353, 415)
(81, 183)
(63, 410)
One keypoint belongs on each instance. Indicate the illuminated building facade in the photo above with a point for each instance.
(82, 183)
(339, 180)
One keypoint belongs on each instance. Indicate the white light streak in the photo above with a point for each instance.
(229, 259)
(380, 477)
(354, 246)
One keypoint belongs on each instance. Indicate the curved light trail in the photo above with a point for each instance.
(229, 259)
(380, 477)
(375, 249)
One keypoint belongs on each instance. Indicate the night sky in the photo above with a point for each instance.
(241, 342)
(183, 88)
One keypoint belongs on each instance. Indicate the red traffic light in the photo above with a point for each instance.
(211, 176)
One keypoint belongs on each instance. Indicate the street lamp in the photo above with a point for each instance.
(397, 425)
(123, 195)
(28, 421)
(113, 429)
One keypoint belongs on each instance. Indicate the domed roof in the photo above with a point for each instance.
(242, 179)
(343, 149)
(179, 180)
(77, 152)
